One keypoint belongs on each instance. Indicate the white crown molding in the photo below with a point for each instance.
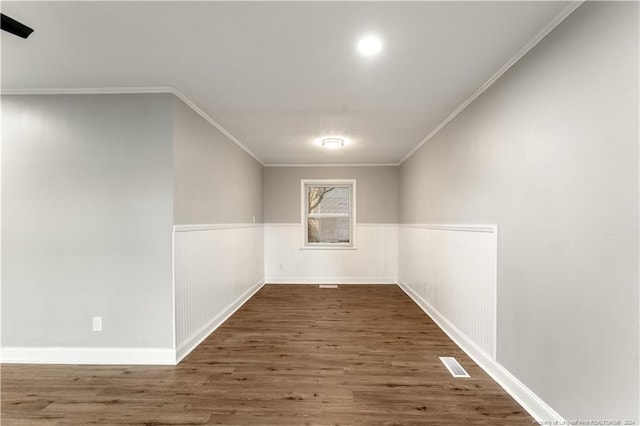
(183, 98)
(532, 403)
(134, 90)
(511, 62)
(122, 90)
(215, 124)
(87, 90)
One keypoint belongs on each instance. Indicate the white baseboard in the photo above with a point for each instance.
(331, 280)
(535, 406)
(82, 355)
(196, 338)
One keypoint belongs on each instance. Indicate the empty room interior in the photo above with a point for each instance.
(300, 213)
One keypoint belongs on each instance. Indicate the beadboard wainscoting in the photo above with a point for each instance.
(453, 269)
(374, 260)
(217, 268)
(450, 271)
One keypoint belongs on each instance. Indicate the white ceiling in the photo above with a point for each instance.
(279, 75)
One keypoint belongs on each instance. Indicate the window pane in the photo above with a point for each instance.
(328, 230)
(328, 199)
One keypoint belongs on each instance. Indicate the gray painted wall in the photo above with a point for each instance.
(86, 220)
(377, 191)
(215, 181)
(550, 154)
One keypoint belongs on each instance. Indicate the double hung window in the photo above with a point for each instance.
(328, 213)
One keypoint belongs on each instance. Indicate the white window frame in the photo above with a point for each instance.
(350, 183)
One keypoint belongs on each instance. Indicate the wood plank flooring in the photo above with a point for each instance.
(292, 355)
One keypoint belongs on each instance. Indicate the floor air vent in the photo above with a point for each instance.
(453, 366)
(328, 286)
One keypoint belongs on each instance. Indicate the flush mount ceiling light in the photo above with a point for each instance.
(369, 45)
(333, 143)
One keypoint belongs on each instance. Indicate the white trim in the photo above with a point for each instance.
(332, 280)
(121, 90)
(350, 183)
(133, 90)
(173, 291)
(91, 356)
(328, 182)
(359, 224)
(526, 48)
(328, 246)
(335, 165)
(491, 229)
(198, 337)
(495, 313)
(88, 90)
(532, 403)
(215, 226)
(283, 224)
(215, 124)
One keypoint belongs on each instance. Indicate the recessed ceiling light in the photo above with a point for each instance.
(369, 45)
(333, 143)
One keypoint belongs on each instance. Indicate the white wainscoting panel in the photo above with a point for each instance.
(216, 269)
(453, 268)
(532, 403)
(373, 261)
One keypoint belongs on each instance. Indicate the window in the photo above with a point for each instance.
(328, 213)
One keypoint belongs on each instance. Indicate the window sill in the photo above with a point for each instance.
(328, 248)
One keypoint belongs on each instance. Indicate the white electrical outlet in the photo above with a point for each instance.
(281, 266)
(254, 219)
(97, 323)
(425, 285)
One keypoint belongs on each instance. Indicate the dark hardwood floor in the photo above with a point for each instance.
(292, 355)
